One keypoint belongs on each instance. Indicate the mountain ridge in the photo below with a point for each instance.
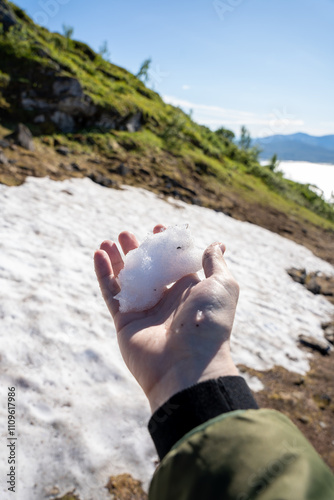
(297, 147)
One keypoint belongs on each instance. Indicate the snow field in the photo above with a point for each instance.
(80, 415)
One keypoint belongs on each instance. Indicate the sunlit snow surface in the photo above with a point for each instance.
(80, 415)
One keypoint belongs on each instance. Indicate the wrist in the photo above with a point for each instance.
(185, 375)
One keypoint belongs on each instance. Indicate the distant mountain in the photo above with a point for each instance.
(298, 147)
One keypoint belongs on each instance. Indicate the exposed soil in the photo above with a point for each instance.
(307, 400)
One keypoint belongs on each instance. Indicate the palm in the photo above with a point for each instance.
(182, 333)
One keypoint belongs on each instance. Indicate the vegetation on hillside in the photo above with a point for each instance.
(32, 57)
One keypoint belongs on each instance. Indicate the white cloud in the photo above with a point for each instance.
(278, 121)
(185, 87)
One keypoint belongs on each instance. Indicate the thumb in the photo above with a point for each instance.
(213, 260)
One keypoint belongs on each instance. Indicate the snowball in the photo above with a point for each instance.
(159, 261)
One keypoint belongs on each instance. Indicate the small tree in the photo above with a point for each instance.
(225, 133)
(104, 51)
(143, 73)
(68, 33)
(274, 163)
(245, 139)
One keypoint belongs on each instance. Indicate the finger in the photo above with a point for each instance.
(108, 284)
(128, 241)
(114, 255)
(213, 260)
(159, 228)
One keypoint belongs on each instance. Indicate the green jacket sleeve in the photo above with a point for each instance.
(243, 455)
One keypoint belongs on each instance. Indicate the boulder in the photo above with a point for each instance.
(67, 86)
(23, 137)
(63, 121)
(77, 106)
(7, 16)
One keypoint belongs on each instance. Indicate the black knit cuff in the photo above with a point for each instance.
(195, 405)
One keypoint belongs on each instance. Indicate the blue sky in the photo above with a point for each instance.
(265, 64)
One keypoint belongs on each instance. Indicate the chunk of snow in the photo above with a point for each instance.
(160, 260)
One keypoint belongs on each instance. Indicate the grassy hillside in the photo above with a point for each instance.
(69, 95)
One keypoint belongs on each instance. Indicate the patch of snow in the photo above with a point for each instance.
(80, 415)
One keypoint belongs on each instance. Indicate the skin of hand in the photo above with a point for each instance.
(182, 340)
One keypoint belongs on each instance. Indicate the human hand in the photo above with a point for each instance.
(182, 340)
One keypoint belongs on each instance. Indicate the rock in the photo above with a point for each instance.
(315, 282)
(68, 108)
(39, 119)
(63, 150)
(298, 275)
(329, 331)
(322, 400)
(133, 124)
(123, 170)
(196, 201)
(7, 16)
(23, 137)
(3, 158)
(4, 144)
(312, 284)
(105, 122)
(320, 345)
(329, 335)
(77, 106)
(101, 179)
(325, 283)
(144, 172)
(63, 121)
(67, 86)
(304, 419)
(32, 103)
(76, 167)
(114, 145)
